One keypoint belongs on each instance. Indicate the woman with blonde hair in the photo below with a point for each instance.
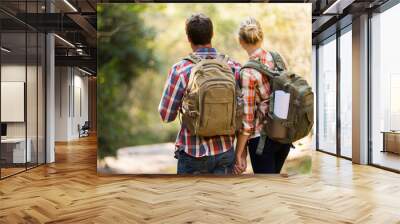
(256, 92)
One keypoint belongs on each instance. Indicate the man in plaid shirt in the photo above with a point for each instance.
(196, 154)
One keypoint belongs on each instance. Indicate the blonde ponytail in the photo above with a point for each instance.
(250, 31)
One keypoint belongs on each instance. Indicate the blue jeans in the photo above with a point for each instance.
(218, 164)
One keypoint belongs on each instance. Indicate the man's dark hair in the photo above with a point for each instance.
(199, 29)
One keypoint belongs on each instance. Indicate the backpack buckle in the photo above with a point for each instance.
(193, 113)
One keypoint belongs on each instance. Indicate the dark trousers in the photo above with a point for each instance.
(273, 157)
(218, 164)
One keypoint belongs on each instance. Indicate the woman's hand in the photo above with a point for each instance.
(241, 154)
(240, 164)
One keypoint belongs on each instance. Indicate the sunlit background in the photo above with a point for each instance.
(138, 43)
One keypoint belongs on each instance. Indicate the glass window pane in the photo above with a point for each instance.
(23, 90)
(14, 151)
(327, 96)
(32, 87)
(346, 94)
(385, 89)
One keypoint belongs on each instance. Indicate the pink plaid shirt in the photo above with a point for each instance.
(171, 100)
(256, 91)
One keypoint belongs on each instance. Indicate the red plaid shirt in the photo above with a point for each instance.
(171, 100)
(256, 91)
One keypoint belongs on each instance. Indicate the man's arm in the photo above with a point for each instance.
(172, 96)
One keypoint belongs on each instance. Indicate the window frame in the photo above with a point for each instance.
(334, 37)
(381, 9)
(29, 29)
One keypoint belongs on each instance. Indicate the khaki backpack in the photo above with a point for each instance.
(212, 104)
(299, 111)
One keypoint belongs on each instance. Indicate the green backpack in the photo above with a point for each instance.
(212, 104)
(292, 118)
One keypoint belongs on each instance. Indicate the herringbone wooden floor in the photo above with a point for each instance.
(70, 191)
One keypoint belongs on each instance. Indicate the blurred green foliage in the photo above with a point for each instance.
(138, 44)
(123, 55)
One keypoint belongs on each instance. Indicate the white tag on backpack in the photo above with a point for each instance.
(281, 104)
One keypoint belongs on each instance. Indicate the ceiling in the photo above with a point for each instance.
(74, 22)
(332, 15)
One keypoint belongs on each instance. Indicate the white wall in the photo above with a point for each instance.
(80, 110)
(12, 73)
(71, 94)
(33, 126)
(61, 103)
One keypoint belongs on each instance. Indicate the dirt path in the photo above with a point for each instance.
(159, 159)
(146, 159)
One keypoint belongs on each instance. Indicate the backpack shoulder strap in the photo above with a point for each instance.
(193, 58)
(278, 61)
(223, 58)
(260, 67)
